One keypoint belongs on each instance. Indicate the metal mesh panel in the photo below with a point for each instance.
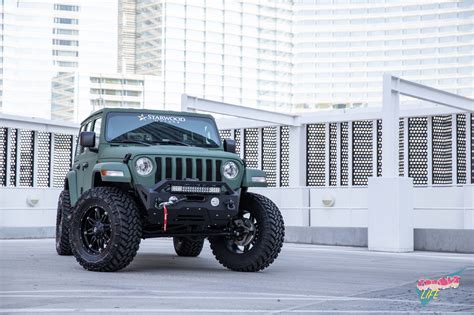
(362, 167)
(315, 148)
(379, 147)
(269, 154)
(13, 142)
(3, 156)
(62, 158)
(344, 154)
(284, 156)
(418, 149)
(225, 134)
(401, 147)
(251, 147)
(237, 140)
(43, 159)
(461, 148)
(26, 157)
(332, 154)
(442, 150)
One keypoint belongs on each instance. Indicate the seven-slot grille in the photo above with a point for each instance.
(182, 168)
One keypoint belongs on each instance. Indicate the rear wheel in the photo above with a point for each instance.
(105, 229)
(63, 219)
(188, 247)
(259, 236)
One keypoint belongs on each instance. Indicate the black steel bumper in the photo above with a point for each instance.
(196, 208)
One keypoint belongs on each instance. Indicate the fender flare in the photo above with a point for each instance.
(249, 174)
(71, 186)
(112, 166)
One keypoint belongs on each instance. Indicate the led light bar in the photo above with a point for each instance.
(195, 189)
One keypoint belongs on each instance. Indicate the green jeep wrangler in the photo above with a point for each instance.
(139, 174)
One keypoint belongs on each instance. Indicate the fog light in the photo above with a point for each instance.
(215, 201)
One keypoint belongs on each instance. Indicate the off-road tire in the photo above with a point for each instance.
(187, 247)
(126, 230)
(268, 244)
(63, 221)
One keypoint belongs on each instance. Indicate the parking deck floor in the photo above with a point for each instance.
(304, 279)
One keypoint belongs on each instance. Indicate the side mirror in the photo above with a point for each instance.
(229, 145)
(87, 139)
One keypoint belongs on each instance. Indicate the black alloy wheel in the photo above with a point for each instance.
(95, 230)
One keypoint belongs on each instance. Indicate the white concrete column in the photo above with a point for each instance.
(390, 127)
(327, 135)
(297, 150)
(469, 145)
(454, 149)
(468, 206)
(391, 215)
(429, 155)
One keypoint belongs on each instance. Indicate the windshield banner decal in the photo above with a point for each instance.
(162, 118)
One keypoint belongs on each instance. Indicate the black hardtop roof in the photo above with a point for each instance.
(105, 111)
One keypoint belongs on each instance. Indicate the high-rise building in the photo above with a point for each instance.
(233, 51)
(78, 94)
(302, 54)
(343, 47)
(44, 41)
(280, 55)
(126, 36)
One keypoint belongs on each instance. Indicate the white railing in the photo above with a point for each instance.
(309, 159)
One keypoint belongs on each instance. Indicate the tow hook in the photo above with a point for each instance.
(164, 205)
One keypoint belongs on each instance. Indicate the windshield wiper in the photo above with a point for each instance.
(168, 141)
(132, 141)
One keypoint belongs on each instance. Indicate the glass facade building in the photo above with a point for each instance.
(279, 55)
(238, 52)
(43, 42)
(343, 47)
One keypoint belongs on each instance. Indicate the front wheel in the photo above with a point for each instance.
(259, 231)
(105, 229)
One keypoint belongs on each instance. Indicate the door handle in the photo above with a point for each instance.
(85, 165)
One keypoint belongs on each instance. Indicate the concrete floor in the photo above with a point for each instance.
(304, 279)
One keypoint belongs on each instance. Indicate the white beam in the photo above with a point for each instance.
(406, 148)
(38, 124)
(430, 94)
(200, 104)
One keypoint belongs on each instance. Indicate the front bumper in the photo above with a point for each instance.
(196, 209)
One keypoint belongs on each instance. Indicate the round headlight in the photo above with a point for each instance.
(230, 170)
(144, 166)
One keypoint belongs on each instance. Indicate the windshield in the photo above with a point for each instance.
(148, 129)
